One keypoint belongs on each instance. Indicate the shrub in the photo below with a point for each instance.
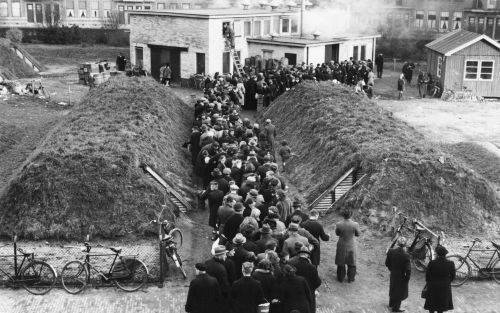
(14, 35)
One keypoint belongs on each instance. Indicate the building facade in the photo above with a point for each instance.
(483, 18)
(192, 41)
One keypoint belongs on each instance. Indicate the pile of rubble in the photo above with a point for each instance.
(461, 96)
(11, 87)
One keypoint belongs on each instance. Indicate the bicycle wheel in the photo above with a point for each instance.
(137, 277)
(74, 277)
(178, 263)
(495, 270)
(38, 277)
(421, 264)
(462, 269)
(176, 237)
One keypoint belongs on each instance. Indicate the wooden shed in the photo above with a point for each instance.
(465, 60)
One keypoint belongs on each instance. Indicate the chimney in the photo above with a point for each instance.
(245, 4)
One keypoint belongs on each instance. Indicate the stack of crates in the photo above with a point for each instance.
(84, 73)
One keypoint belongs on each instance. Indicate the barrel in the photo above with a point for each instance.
(263, 308)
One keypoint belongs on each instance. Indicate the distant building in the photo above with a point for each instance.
(192, 41)
(483, 17)
(466, 60)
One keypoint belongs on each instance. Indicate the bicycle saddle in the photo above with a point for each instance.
(116, 249)
(419, 228)
(495, 245)
(24, 252)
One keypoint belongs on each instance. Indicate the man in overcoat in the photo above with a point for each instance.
(308, 271)
(204, 295)
(316, 229)
(216, 268)
(246, 293)
(398, 262)
(346, 247)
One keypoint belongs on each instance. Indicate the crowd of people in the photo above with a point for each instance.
(266, 249)
(427, 84)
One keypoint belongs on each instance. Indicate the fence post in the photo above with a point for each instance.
(162, 262)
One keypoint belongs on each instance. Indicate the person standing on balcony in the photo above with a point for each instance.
(229, 34)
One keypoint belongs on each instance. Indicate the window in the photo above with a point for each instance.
(3, 8)
(431, 19)
(161, 6)
(147, 7)
(285, 25)
(480, 22)
(16, 8)
(30, 13)
(139, 56)
(70, 8)
(173, 6)
(38, 13)
(491, 4)
(419, 19)
(198, 6)
(445, 17)
(267, 27)
(292, 58)
(363, 52)
(186, 6)
(130, 7)
(238, 28)
(276, 24)
(295, 25)
(94, 9)
(439, 66)
(486, 70)
(355, 52)
(479, 70)
(457, 20)
(490, 21)
(407, 20)
(57, 16)
(247, 28)
(138, 7)
(106, 5)
(472, 20)
(82, 8)
(256, 28)
(48, 13)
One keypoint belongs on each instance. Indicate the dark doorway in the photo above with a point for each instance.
(200, 63)
(292, 58)
(332, 53)
(363, 52)
(162, 55)
(226, 60)
(139, 56)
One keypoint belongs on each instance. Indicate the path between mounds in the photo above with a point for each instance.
(370, 291)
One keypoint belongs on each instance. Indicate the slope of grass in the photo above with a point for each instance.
(10, 62)
(333, 129)
(86, 177)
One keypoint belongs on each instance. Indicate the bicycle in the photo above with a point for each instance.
(463, 267)
(171, 240)
(420, 249)
(128, 274)
(37, 277)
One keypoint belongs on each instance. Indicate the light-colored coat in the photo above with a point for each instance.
(346, 246)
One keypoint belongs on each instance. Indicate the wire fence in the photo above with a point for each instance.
(58, 254)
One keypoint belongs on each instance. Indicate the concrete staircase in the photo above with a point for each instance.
(27, 58)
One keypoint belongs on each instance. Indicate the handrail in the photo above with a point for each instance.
(28, 56)
(318, 199)
(169, 189)
(354, 185)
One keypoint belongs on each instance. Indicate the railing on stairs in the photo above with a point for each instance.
(27, 58)
(326, 200)
(174, 196)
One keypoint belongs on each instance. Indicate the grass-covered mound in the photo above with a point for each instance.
(86, 178)
(10, 135)
(12, 65)
(332, 129)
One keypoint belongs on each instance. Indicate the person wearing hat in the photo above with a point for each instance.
(215, 198)
(232, 226)
(439, 275)
(216, 267)
(297, 211)
(225, 212)
(294, 292)
(204, 295)
(270, 131)
(246, 293)
(240, 255)
(264, 168)
(347, 230)
(316, 229)
(265, 238)
(293, 237)
(268, 281)
(304, 268)
(222, 184)
(398, 263)
(279, 227)
(284, 205)
(233, 191)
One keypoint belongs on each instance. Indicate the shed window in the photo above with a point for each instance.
(439, 66)
(479, 70)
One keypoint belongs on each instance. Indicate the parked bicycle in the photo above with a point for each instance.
(127, 273)
(37, 277)
(463, 267)
(420, 249)
(171, 239)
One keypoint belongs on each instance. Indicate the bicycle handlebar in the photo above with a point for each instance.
(477, 240)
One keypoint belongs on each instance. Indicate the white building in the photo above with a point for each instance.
(192, 41)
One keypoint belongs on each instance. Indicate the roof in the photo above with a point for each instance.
(308, 41)
(458, 40)
(215, 13)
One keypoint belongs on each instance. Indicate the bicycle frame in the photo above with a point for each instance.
(89, 266)
(490, 262)
(17, 267)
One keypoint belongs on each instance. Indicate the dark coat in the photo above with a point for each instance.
(217, 269)
(346, 246)
(204, 295)
(246, 294)
(440, 273)
(268, 282)
(232, 226)
(317, 230)
(215, 199)
(310, 273)
(241, 255)
(398, 262)
(295, 294)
